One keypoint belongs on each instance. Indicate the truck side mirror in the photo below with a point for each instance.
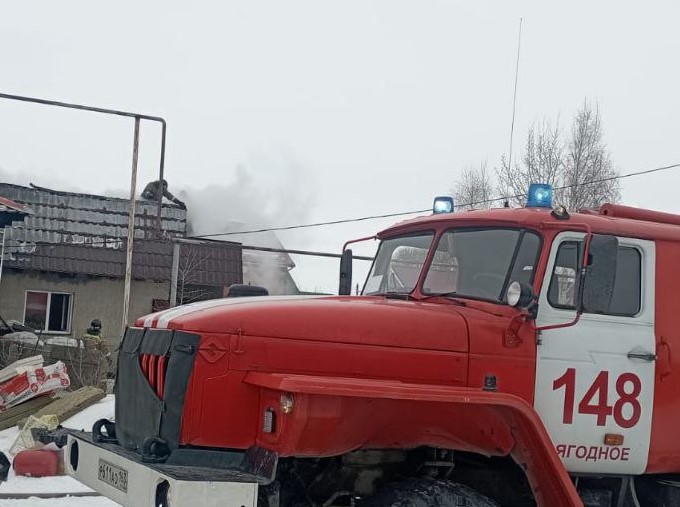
(345, 288)
(598, 283)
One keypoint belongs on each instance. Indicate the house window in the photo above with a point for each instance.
(48, 312)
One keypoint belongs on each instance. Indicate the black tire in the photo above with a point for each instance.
(427, 493)
(657, 491)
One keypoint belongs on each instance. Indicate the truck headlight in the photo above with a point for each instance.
(287, 403)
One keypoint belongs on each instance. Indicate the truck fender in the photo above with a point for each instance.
(381, 413)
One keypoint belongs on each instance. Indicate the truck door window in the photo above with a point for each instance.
(628, 283)
(626, 292)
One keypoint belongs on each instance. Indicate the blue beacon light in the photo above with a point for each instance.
(540, 196)
(442, 204)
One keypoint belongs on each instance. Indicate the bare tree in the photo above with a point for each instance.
(191, 264)
(474, 189)
(542, 162)
(579, 168)
(589, 172)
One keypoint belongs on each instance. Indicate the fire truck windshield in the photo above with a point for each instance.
(398, 264)
(476, 263)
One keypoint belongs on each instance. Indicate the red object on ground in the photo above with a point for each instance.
(37, 463)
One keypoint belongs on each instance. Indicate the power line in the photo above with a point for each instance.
(375, 217)
(317, 224)
(402, 213)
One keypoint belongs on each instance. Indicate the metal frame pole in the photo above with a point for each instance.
(159, 229)
(137, 117)
(115, 112)
(131, 228)
(174, 277)
(2, 255)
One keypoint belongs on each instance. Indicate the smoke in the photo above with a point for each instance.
(266, 192)
(269, 191)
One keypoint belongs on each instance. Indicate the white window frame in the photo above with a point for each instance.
(47, 312)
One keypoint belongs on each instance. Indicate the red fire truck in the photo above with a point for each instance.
(509, 357)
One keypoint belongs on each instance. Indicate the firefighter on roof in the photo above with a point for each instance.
(160, 187)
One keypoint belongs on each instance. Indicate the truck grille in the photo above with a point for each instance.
(154, 368)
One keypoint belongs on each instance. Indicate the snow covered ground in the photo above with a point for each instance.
(61, 502)
(62, 484)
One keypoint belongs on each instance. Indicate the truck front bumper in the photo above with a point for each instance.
(121, 476)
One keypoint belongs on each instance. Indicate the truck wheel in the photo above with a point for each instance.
(427, 493)
(661, 491)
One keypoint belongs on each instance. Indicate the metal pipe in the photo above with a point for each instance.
(127, 114)
(194, 241)
(358, 240)
(175, 274)
(302, 252)
(81, 107)
(159, 229)
(131, 228)
(116, 112)
(2, 254)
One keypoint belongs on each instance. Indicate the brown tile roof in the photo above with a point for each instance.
(200, 264)
(85, 234)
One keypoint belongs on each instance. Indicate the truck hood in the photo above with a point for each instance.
(344, 319)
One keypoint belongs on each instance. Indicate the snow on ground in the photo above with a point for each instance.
(60, 502)
(104, 409)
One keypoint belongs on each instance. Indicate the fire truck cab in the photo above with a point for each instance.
(509, 357)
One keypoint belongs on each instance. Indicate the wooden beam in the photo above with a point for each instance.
(21, 412)
(69, 405)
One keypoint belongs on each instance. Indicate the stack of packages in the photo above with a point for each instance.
(30, 380)
(21, 382)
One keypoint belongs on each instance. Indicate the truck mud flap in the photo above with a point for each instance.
(154, 367)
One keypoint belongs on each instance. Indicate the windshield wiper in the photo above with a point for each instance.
(452, 295)
(405, 296)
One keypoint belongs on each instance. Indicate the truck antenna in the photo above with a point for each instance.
(514, 97)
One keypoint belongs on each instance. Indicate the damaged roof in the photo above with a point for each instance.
(79, 234)
(70, 217)
(11, 211)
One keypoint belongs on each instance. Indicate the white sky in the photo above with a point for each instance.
(335, 109)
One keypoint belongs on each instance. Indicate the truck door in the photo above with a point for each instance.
(595, 380)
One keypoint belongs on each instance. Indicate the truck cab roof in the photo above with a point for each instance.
(608, 219)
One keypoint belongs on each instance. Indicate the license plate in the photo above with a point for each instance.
(113, 475)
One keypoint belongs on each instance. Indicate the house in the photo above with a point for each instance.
(64, 263)
(266, 269)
